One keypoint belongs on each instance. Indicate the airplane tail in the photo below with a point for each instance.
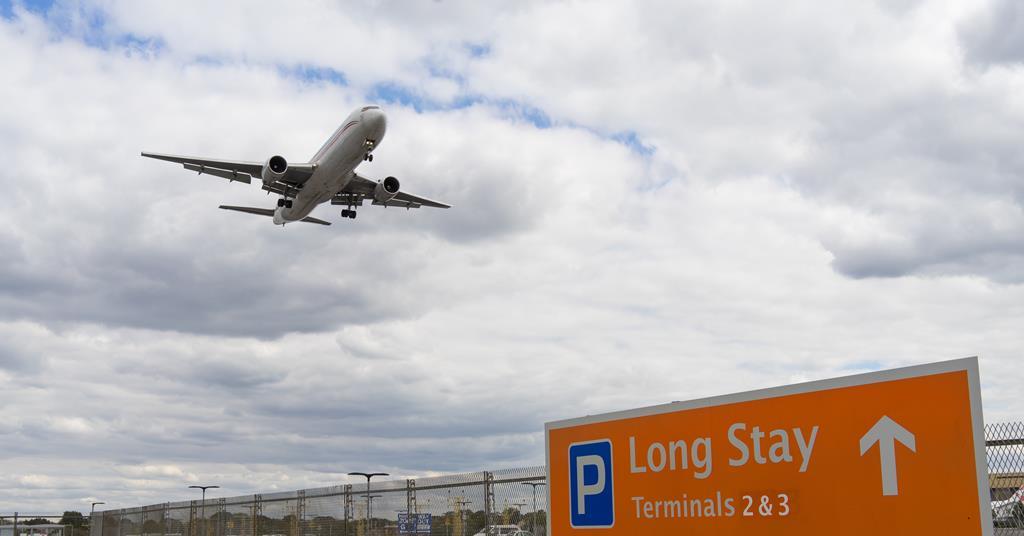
(270, 212)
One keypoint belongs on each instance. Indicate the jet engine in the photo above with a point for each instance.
(386, 190)
(274, 169)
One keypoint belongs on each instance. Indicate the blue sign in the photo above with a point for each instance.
(414, 523)
(592, 504)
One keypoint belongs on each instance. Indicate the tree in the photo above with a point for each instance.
(511, 516)
(79, 523)
(73, 518)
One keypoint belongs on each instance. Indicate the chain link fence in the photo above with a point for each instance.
(495, 503)
(1004, 448)
(505, 502)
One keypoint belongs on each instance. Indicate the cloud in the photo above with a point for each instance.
(721, 198)
(993, 35)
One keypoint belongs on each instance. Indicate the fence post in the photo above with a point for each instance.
(348, 506)
(410, 497)
(300, 512)
(488, 497)
(257, 511)
(222, 517)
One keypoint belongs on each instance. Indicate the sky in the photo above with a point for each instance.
(652, 201)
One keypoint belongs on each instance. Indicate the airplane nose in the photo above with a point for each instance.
(375, 120)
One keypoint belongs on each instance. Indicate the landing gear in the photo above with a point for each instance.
(348, 213)
(368, 156)
(287, 203)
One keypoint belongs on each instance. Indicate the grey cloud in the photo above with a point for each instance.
(487, 211)
(1005, 266)
(15, 360)
(125, 281)
(212, 373)
(996, 34)
(942, 176)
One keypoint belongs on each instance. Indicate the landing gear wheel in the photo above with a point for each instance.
(344, 212)
(370, 158)
(288, 203)
(352, 214)
(280, 202)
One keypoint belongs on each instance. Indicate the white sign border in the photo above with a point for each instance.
(968, 365)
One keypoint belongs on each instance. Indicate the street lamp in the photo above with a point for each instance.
(92, 512)
(372, 497)
(534, 486)
(368, 477)
(204, 488)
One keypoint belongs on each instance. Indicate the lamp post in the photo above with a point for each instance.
(204, 488)
(534, 486)
(371, 498)
(92, 512)
(368, 477)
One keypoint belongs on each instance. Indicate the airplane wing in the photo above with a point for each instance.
(236, 170)
(360, 187)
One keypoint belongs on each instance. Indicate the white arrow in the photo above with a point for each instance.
(886, 432)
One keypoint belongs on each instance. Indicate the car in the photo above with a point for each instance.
(502, 530)
(1009, 512)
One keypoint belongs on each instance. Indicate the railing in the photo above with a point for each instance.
(458, 505)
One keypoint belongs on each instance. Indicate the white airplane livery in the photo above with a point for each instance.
(329, 176)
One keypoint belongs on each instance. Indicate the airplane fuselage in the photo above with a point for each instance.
(336, 162)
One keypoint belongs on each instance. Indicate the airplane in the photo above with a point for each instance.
(329, 176)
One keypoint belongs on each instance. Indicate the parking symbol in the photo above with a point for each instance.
(591, 498)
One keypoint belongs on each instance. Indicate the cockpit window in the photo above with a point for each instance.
(370, 108)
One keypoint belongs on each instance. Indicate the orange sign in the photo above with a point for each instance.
(894, 452)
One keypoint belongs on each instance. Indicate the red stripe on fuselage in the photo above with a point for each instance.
(327, 146)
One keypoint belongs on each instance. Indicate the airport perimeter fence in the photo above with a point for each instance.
(452, 505)
(457, 505)
(1004, 449)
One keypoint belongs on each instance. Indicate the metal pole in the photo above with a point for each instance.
(534, 486)
(92, 514)
(488, 498)
(368, 477)
(203, 514)
(371, 497)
